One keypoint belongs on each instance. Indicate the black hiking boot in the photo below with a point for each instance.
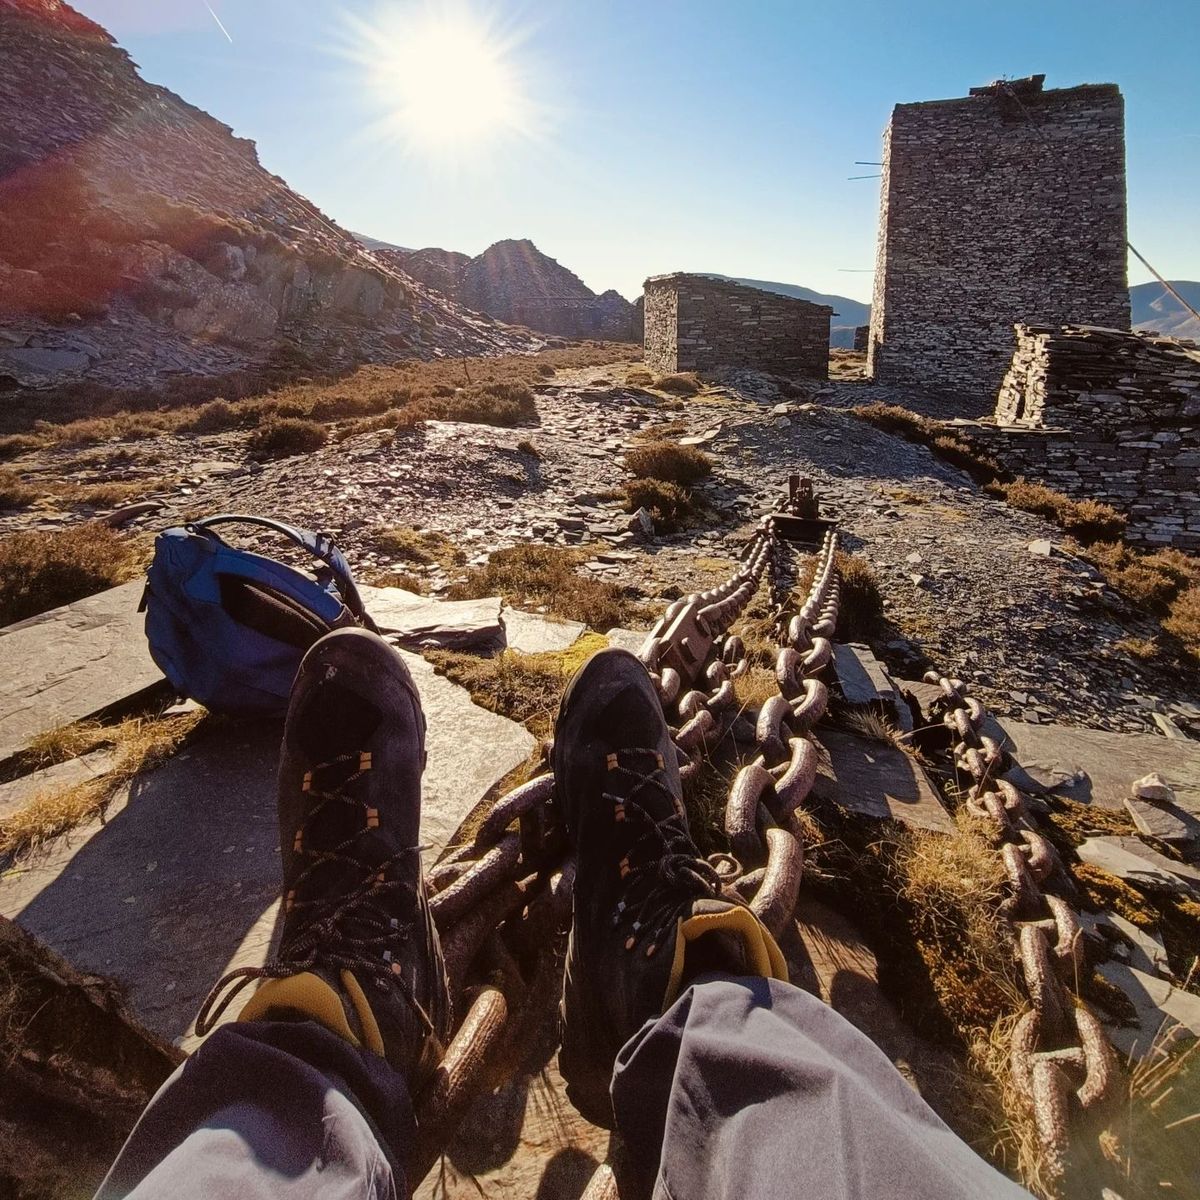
(649, 911)
(359, 952)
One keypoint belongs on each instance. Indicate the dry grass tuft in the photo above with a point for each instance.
(140, 743)
(280, 437)
(1088, 520)
(525, 446)
(1143, 649)
(668, 461)
(861, 605)
(1184, 620)
(14, 491)
(40, 571)
(421, 547)
(547, 575)
(682, 383)
(523, 687)
(639, 377)
(671, 506)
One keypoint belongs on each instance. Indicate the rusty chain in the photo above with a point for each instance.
(1060, 1055)
(519, 880)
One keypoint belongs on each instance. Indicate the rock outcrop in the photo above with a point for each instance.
(515, 282)
(139, 236)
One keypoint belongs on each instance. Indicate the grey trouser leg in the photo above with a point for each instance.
(270, 1110)
(751, 1088)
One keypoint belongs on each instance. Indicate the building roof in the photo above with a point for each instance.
(675, 279)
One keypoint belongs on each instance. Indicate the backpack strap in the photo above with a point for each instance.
(319, 545)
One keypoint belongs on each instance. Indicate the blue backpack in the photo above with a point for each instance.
(229, 627)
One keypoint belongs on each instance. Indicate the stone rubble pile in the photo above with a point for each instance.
(1110, 415)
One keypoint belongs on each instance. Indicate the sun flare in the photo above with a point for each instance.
(445, 77)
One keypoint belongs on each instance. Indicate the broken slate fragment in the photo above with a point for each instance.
(415, 620)
(1165, 1013)
(1167, 822)
(1042, 547)
(1133, 861)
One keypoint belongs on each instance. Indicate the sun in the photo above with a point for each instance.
(444, 76)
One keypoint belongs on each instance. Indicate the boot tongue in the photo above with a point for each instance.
(722, 938)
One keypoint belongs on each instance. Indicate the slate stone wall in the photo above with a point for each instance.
(695, 323)
(1109, 415)
(1007, 205)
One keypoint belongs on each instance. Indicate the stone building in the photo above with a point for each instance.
(1007, 205)
(695, 322)
(1107, 415)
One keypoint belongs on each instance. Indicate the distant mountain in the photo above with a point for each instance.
(375, 244)
(513, 281)
(847, 313)
(1155, 308)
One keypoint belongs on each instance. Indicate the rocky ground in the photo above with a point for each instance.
(969, 584)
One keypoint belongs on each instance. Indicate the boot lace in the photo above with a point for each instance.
(357, 927)
(662, 872)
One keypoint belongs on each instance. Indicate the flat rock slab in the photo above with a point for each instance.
(181, 881)
(1166, 1014)
(18, 793)
(415, 620)
(626, 639)
(1167, 822)
(1097, 767)
(864, 681)
(880, 781)
(1133, 861)
(533, 633)
(71, 663)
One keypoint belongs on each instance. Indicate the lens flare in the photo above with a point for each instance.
(445, 77)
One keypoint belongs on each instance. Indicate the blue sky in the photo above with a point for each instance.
(662, 134)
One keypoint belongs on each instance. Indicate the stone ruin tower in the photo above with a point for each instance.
(1005, 206)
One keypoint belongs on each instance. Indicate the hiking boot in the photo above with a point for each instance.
(649, 912)
(359, 952)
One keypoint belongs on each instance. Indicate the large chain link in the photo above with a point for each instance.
(1060, 1055)
(520, 879)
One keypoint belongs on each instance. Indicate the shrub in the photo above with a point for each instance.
(18, 443)
(1088, 520)
(668, 461)
(1184, 619)
(40, 571)
(212, 417)
(282, 436)
(670, 505)
(1151, 580)
(861, 603)
(682, 383)
(14, 491)
(547, 575)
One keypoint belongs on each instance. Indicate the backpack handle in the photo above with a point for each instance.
(319, 545)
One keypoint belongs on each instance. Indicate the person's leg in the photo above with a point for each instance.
(310, 1091)
(729, 1081)
(753, 1088)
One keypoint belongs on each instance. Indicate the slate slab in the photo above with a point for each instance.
(1167, 822)
(1097, 767)
(534, 633)
(864, 681)
(180, 883)
(414, 620)
(626, 639)
(1164, 1011)
(1132, 860)
(877, 780)
(71, 663)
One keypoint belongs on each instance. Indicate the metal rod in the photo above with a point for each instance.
(1134, 252)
